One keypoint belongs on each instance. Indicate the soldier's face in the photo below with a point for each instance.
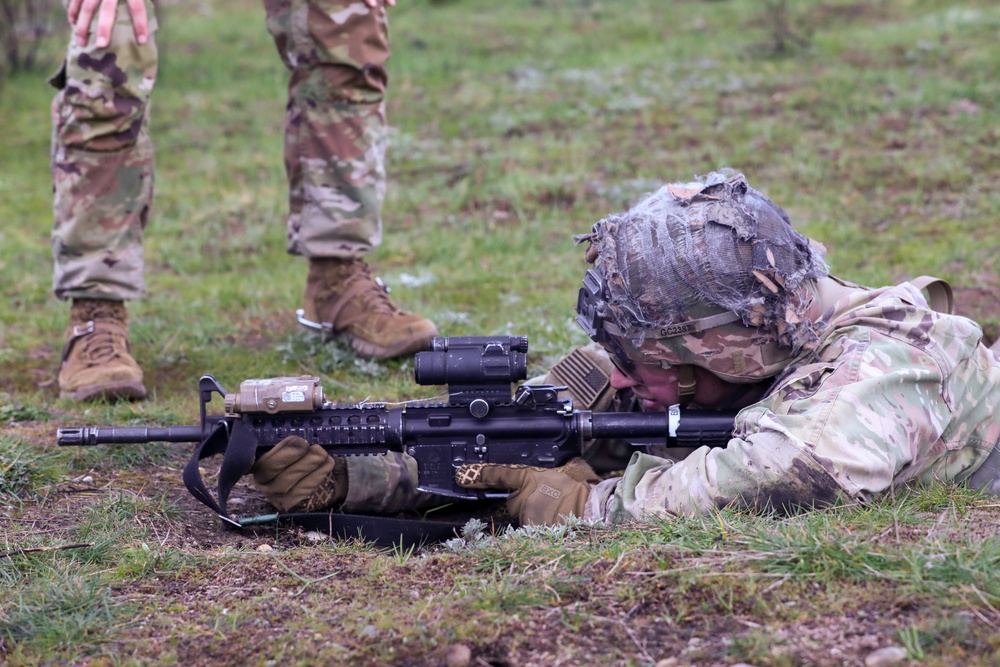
(658, 388)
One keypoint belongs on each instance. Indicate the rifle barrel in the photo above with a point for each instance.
(86, 436)
(691, 428)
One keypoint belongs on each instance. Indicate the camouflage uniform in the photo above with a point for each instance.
(102, 157)
(894, 393)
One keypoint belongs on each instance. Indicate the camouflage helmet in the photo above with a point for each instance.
(709, 273)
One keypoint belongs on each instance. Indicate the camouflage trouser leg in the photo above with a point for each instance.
(384, 485)
(102, 164)
(335, 127)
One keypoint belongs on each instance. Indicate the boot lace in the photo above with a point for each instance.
(375, 294)
(101, 346)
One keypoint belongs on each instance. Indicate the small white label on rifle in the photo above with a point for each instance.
(673, 419)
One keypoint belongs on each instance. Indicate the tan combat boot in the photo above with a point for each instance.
(343, 297)
(95, 361)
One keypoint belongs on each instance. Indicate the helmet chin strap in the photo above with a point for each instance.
(685, 384)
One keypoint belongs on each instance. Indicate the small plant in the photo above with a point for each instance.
(756, 647)
(784, 36)
(403, 554)
(13, 410)
(910, 636)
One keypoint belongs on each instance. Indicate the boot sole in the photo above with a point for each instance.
(407, 346)
(130, 390)
(368, 350)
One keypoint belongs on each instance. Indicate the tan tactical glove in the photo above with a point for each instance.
(299, 477)
(538, 495)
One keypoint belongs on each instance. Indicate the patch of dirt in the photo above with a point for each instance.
(981, 304)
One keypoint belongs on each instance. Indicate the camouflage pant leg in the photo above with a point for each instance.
(335, 126)
(384, 485)
(102, 164)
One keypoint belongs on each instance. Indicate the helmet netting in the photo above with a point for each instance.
(693, 249)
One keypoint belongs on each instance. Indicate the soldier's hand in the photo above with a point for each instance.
(374, 3)
(299, 477)
(81, 14)
(538, 495)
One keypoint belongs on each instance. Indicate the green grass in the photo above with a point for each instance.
(514, 126)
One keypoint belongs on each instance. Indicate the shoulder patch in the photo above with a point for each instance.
(586, 381)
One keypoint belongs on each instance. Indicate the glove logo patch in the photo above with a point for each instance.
(555, 494)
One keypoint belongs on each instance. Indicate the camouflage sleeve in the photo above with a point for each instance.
(385, 484)
(767, 470)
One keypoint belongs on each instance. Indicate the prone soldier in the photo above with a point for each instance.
(703, 294)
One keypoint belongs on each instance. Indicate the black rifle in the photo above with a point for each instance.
(480, 422)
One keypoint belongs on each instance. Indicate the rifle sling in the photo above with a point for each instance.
(239, 451)
(216, 443)
(237, 461)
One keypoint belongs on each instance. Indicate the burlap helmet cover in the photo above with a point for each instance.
(692, 250)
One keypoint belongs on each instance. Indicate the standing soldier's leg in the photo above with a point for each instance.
(335, 136)
(102, 175)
